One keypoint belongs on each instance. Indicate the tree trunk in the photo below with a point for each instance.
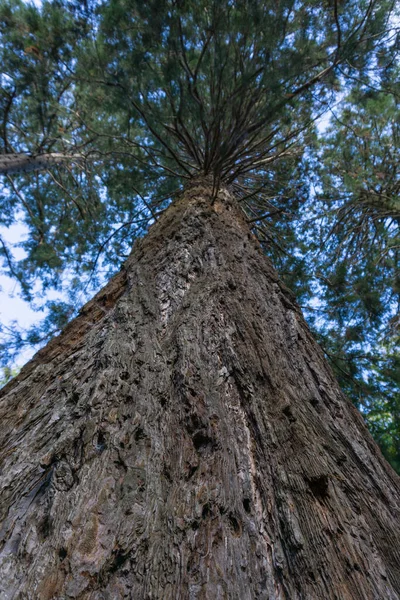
(23, 163)
(184, 438)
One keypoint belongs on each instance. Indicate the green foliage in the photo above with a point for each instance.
(356, 211)
(7, 375)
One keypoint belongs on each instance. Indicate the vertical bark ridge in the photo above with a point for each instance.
(187, 440)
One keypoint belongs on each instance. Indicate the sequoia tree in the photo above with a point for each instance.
(184, 436)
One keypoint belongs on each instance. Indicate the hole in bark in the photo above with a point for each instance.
(341, 459)
(193, 423)
(44, 527)
(191, 471)
(167, 474)
(319, 486)
(206, 511)
(62, 553)
(124, 376)
(119, 558)
(234, 524)
(314, 401)
(120, 465)
(202, 441)
(101, 443)
(139, 434)
(287, 411)
(74, 398)
(246, 504)
(195, 525)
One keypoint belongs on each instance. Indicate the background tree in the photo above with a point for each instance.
(357, 269)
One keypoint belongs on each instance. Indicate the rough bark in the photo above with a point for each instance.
(185, 439)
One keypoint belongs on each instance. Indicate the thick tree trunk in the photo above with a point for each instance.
(185, 439)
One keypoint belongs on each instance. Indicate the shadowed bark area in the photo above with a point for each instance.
(185, 439)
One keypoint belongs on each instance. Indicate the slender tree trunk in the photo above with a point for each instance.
(23, 163)
(184, 438)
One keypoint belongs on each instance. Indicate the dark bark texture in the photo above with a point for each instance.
(184, 438)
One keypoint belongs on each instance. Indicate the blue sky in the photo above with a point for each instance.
(12, 307)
